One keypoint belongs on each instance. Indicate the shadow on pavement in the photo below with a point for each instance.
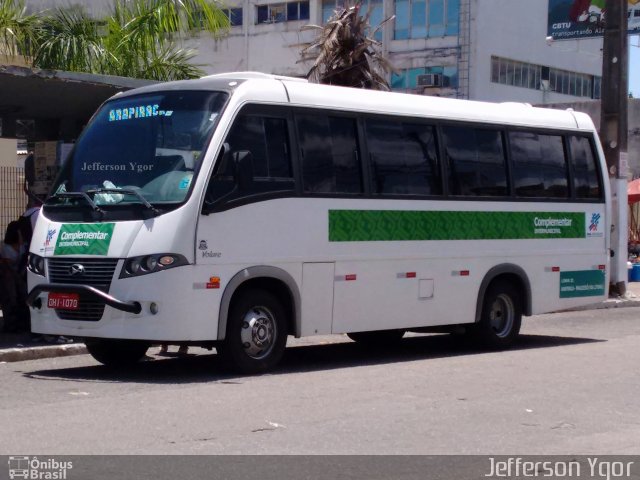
(297, 359)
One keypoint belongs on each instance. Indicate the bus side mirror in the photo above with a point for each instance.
(243, 170)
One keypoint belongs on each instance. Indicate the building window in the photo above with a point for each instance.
(297, 11)
(374, 7)
(527, 75)
(517, 74)
(597, 87)
(234, 15)
(571, 83)
(426, 18)
(283, 12)
(409, 79)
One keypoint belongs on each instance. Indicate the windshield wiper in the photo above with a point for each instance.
(125, 191)
(82, 195)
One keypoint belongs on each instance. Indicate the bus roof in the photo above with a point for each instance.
(299, 92)
(353, 99)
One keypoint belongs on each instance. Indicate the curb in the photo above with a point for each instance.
(35, 353)
(611, 303)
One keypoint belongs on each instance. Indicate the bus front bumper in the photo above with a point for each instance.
(34, 300)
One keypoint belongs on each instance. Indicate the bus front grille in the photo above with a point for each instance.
(96, 273)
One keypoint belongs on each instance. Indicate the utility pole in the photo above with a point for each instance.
(613, 132)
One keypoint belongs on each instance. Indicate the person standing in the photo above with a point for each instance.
(13, 279)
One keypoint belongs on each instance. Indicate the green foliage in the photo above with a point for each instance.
(346, 53)
(140, 38)
(67, 39)
(17, 29)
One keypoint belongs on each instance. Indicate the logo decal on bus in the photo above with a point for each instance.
(88, 239)
(593, 226)
(50, 233)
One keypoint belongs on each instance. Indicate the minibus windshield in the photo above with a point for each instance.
(143, 150)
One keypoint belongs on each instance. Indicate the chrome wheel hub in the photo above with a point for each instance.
(258, 332)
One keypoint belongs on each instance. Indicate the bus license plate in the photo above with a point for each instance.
(64, 301)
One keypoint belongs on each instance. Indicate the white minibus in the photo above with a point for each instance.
(235, 210)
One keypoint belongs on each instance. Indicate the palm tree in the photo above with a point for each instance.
(346, 53)
(144, 35)
(140, 38)
(68, 39)
(17, 29)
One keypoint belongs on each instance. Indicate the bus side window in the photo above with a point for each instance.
(539, 165)
(475, 161)
(404, 158)
(585, 171)
(267, 139)
(329, 151)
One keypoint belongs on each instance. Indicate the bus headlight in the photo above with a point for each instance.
(145, 264)
(133, 266)
(150, 263)
(36, 264)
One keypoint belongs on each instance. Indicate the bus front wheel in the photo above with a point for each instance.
(256, 332)
(501, 316)
(116, 353)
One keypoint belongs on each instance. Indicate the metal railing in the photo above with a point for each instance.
(13, 200)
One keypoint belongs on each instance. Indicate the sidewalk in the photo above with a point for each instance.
(17, 347)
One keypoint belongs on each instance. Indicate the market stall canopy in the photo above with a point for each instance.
(30, 93)
(633, 191)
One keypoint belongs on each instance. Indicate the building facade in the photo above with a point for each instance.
(493, 50)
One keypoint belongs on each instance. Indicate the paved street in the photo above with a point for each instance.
(571, 386)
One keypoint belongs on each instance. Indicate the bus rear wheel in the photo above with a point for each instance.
(501, 316)
(116, 353)
(378, 338)
(256, 332)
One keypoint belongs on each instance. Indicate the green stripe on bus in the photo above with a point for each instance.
(399, 225)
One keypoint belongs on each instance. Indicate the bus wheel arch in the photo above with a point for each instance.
(273, 280)
(504, 297)
(509, 273)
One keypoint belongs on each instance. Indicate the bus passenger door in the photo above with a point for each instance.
(317, 298)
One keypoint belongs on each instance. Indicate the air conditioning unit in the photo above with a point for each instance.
(430, 80)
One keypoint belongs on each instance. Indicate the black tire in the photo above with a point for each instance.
(378, 338)
(501, 316)
(256, 332)
(117, 353)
